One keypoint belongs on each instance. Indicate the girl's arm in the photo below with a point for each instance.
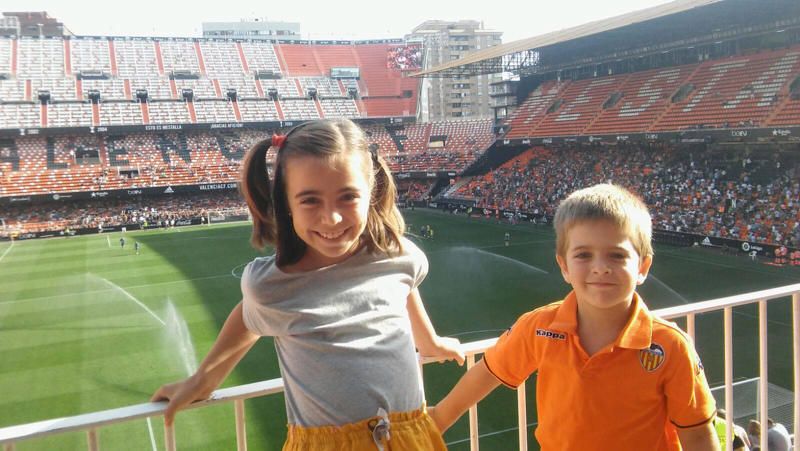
(232, 344)
(428, 343)
(473, 386)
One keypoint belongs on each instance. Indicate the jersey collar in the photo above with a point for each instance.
(636, 334)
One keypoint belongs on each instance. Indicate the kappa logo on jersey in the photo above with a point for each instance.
(550, 334)
(652, 358)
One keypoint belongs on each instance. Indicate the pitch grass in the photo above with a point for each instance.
(82, 322)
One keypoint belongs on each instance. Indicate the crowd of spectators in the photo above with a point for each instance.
(106, 213)
(750, 197)
(407, 57)
(415, 190)
(432, 160)
(144, 161)
(729, 194)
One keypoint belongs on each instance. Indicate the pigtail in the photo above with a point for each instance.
(257, 192)
(385, 224)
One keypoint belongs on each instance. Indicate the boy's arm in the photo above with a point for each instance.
(473, 386)
(232, 344)
(699, 438)
(428, 343)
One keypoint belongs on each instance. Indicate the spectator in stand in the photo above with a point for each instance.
(754, 434)
(778, 438)
(741, 442)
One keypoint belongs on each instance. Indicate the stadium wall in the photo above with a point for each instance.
(702, 135)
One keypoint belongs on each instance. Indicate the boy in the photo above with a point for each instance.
(611, 376)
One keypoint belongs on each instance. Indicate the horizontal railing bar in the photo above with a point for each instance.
(730, 301)
(137, 411)
(471, 348)
(13, 434)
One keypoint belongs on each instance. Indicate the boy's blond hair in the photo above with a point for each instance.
(606, 202)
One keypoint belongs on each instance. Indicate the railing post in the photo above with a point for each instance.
(690, 325)
(728, 315)
(522, 418)
(796, 341)
(473, 414)
(763, 381)
(241, 433)
(93, 443)
(169, 437)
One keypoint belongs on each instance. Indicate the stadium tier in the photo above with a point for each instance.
(752, 90)
(738, 196)
(75, 163)
(194, 81)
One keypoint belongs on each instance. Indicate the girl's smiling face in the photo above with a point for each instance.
(328, 200)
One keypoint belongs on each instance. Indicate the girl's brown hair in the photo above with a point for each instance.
(268, 204)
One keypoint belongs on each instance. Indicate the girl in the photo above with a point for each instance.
(340, 297)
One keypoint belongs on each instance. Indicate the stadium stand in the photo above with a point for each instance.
(642, 98)
(739, 91)
(417, 191)
(298, 60)
(120, 68)
(580, 103)
(732, 91)
(739, 196)
(254, 82)
(54, 165)
(88, 55)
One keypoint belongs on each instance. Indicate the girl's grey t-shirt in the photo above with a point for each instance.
(342, 334)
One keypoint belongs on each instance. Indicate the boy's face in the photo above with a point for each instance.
(602, 265)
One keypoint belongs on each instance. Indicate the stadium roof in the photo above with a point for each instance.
(513, 55)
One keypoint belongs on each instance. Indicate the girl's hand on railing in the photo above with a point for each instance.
(181, 394)
(445, 349)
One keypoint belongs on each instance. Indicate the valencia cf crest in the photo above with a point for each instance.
(652, 358)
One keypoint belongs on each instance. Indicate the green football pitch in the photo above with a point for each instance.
(88, 325)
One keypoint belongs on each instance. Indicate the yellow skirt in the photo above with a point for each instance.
(404, 431)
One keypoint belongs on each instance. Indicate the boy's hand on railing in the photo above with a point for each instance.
(179, 395)
(445, 349)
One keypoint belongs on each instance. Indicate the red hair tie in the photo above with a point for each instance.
(278, 140)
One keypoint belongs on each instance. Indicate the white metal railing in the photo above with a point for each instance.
(91, 423)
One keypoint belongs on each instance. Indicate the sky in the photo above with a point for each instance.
(331, 19)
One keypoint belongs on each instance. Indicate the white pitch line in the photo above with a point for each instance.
(132, 298)
(152, 436)
(489, 434)
(680, 297)
(112, 289)
(7, 251)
